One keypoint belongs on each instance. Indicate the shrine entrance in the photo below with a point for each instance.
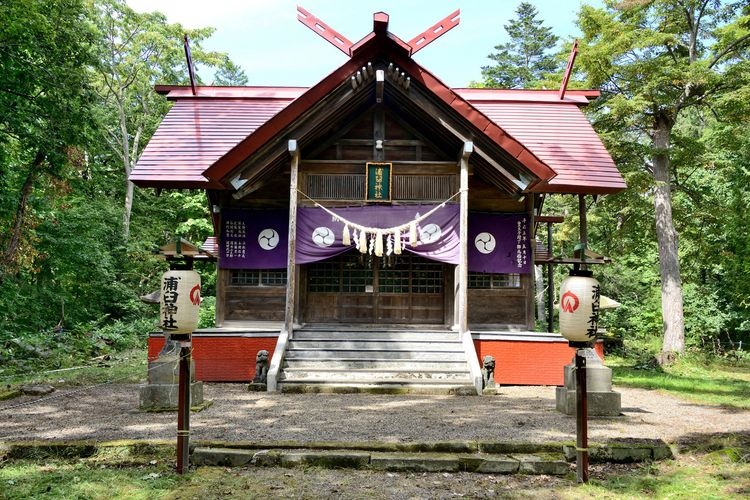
(360, 288)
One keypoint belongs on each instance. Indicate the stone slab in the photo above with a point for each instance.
(397, 462)
(160, 397)
(542, 464)
(501, 464)
(226, 457)
(326, 459)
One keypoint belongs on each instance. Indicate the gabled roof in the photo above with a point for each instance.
(207, 137)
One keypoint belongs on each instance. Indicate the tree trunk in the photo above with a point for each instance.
(666, 236)
(128, 209)
(11, 250)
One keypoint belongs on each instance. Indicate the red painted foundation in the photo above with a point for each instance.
(221, 358)
(231, 358)
(519, 362)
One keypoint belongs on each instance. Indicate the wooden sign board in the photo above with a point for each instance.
(378, 177)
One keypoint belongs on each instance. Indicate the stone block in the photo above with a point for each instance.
(164, 397)
(226, 457)
(603, 404)
(267, 458)
(166, 370)
(499, 465)
(414, 463)
(542, 464)
(326, 459)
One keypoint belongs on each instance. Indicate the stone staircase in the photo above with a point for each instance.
(346, 360)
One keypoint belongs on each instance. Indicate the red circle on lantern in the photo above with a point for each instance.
(569, 302)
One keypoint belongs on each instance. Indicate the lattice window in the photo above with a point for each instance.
(493, 280)
(405, 187)
(427, 277)
(423, 187)
(258, 277)
(395, 279)
(346, 275)
(336, 186)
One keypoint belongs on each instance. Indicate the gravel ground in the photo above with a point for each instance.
(520, 414)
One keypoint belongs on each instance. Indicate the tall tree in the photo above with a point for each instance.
(657, 59)
(45, 50)
(526, 59)
(138, 50)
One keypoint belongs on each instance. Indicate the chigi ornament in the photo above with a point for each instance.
(579, 307)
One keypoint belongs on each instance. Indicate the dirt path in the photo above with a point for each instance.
(521, 414)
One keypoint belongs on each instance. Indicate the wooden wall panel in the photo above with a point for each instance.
(254, 303)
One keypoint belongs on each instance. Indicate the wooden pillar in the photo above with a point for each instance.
(291, 267)
(550, 281)
(463, 259)
(583, 229)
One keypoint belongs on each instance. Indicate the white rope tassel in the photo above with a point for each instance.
(362, 246)
(397, 242)
(346, 237)
(372, 244)
(413, 233)
(379, 244)
(389, 245)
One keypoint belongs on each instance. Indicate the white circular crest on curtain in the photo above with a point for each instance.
(323, 236)
(430, 233)
(268, 239)
(485, 243)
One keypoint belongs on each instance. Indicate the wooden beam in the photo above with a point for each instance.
(463, 254)
(434, 32)
(291, 268)
(379, 85)
(324, 31)
(378, 134)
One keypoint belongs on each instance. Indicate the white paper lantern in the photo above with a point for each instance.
(180, 301)
(579, 307)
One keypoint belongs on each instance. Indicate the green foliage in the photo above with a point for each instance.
(207, 318)
(525, 61)
(76, 89)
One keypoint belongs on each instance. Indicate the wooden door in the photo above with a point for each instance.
(353, 288)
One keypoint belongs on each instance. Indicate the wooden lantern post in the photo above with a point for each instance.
(180, 302)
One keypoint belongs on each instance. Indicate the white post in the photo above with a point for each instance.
(463, 260)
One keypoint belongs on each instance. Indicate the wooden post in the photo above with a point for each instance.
(582, 438)
(291, 270)
(583, 230)
(550, 281)
(463, 260)
(183, 408)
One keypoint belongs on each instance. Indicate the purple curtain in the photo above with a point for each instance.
(499, 243)
(254, 239)
(319, 235)
(258, 239)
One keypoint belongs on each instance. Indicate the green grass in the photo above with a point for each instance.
(124, 367)
(710, 381)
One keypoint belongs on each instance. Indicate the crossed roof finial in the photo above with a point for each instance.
(380, 25)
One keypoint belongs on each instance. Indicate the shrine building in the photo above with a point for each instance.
(376, 231)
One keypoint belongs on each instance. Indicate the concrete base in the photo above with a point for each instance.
(161, 391)
(601, 399)
(164, 397)
(604, 404)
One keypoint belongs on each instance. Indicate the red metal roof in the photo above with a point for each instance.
(204, 137)
(200, 129)
(559, 134)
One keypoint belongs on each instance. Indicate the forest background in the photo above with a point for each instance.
(77, 241)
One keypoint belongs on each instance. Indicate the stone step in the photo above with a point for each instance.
(388, 344)
(382, 387)
(327, 375)
(413, 335)
(374, 354)
(375, 364)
